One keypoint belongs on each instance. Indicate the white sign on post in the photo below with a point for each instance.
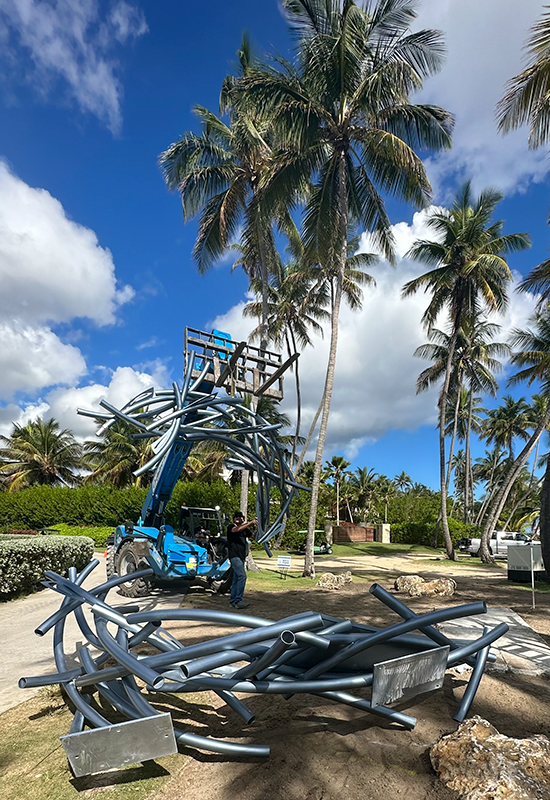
(283, 564)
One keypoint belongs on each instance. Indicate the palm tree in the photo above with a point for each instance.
(470, 273)
(294, 309)
(40, 453)
(511, 420)
(403, 482)
(364, 484)
(526, 98)
(385, 489)
(219, 174)
(463, 419)
(115, 456)
(533, 356)
(343, 123)
(336, 469)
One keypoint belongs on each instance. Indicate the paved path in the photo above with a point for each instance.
(25, 654)
(520, 650)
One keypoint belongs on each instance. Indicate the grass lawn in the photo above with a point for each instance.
(362, 549)
(33, 763)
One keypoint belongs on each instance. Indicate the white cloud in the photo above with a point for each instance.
(376, 372)
(485, 43)
(51, 268)
(31, 358)
(67, 41)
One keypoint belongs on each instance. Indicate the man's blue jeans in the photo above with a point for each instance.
(239, 579)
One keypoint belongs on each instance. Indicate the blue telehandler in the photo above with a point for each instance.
(209, 405)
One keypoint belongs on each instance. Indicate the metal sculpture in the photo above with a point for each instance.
(304, 653)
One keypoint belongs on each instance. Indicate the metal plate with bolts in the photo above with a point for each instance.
(408, 676)
(102, 749)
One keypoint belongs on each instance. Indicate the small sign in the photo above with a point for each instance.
(283, 562)
(408, 676)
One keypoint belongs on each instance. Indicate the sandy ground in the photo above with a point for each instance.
(323, 751)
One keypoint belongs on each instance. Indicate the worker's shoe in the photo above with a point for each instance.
(239, 604)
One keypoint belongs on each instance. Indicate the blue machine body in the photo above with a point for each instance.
(170, 555)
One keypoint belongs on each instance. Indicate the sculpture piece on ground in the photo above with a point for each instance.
(304, 653)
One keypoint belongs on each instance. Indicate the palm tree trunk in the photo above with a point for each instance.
(338, 502)
(467, 475)
(442, 461)
(309, 436)
(495, 508)
(544, 519)
(453, 437)
(309, 563)
(298, 402)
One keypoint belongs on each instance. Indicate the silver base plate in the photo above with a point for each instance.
(408, 676)
(102, 749)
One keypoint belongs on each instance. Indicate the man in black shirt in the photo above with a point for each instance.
(237, 534)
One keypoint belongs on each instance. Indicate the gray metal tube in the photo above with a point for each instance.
(235, 641)
(281, 645)
(365, 705)
(231, 618)
(458, 656)
(138, 667)
(386, 634)
(279, 686)
(205, 664)
(65, 609)
(237, 705)
(473, 683)
(226, 748)
(106, 691)
(407, 613)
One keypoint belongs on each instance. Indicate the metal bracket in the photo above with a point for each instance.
(408, 676)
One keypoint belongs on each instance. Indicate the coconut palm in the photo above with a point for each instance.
(470, 274)
(116, 455)
(527, 99)
(40, 453)
(219, 175)
(364, 484)
(511, 420)
(343, 122)
(403, 482)
(336, 469)
(385, 490)
(533, 356)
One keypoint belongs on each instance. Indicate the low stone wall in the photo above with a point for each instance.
(352, 533)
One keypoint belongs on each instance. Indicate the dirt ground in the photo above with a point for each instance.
(321, 750)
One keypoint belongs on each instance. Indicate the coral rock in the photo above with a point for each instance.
(415, 586)
(482, 764)
(331, 581)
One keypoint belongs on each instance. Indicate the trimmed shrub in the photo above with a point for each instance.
(98, 534)
(422, 532)
(44, 506)
(23, 560)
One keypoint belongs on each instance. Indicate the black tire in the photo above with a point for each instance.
(110, 567)
(127, 562)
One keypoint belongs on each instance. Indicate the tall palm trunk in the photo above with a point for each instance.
(309, 436)
(496, 506)
(468, 469)
(309, 562)
(544, 520)
(298, 400)
(442, 461)
(338, 502)
(453, 439)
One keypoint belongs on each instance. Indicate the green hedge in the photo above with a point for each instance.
(422, 532)
(99, 534)
(23, 560)
(44, 506)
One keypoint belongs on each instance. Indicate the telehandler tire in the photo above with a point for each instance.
(127, 562)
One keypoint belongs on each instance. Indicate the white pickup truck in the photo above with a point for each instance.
(498, 544)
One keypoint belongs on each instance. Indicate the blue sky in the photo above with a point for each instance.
(97, 279)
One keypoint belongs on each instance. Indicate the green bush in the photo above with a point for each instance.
(44, 506)
(23, 560)
(98, 534)
(422, 532)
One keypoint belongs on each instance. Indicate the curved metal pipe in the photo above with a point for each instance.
(473, 683)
